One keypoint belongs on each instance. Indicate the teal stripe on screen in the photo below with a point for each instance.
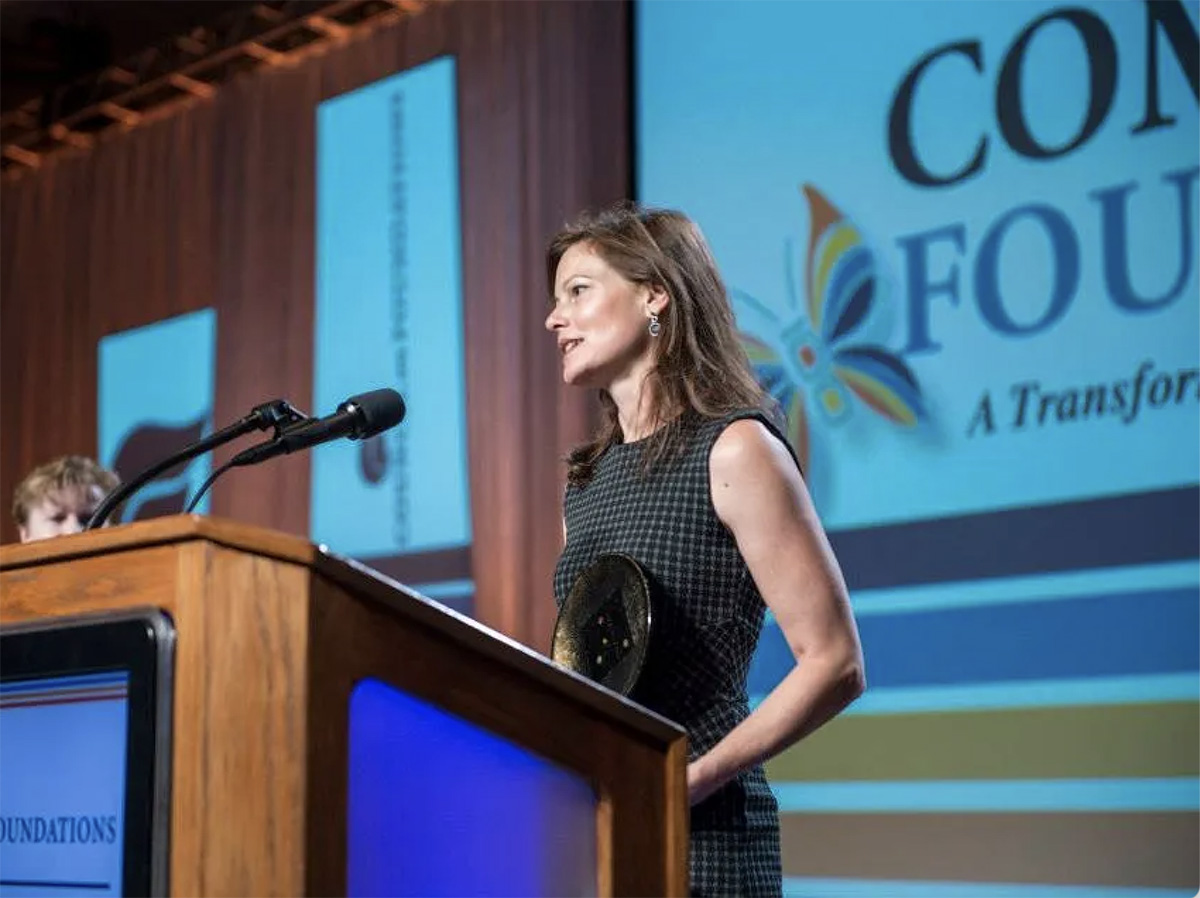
(952, 796)
(811, 887)
(1040, 588)
(1027, 694)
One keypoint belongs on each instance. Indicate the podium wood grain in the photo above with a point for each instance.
(273, 633)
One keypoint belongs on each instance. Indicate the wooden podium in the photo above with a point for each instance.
(273, 633)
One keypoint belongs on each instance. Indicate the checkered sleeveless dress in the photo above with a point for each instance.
(707, 618)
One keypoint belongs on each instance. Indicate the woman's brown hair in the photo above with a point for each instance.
(700, 365)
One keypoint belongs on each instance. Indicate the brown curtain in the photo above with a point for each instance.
(213, 205)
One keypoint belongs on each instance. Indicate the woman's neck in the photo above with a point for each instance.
(641, 410)
(634, 399)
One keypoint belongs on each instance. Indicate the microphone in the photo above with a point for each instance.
(359, 418)
(278, 414)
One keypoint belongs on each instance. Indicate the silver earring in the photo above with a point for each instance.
(655, 328)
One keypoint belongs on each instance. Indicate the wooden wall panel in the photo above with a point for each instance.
(214, 205)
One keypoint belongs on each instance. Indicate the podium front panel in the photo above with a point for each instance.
(439, 806)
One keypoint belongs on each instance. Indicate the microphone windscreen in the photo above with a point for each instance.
(379, 410)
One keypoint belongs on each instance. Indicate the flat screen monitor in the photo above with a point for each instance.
(85, 709)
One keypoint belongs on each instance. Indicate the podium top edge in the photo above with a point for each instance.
(160, 531)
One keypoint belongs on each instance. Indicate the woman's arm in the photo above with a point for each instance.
(760, 496)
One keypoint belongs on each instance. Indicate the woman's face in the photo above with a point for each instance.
(599, 318)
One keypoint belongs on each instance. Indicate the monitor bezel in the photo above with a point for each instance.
(141, 642)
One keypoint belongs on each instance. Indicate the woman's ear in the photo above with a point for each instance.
(658, 299)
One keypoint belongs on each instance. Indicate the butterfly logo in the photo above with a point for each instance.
(824, 352)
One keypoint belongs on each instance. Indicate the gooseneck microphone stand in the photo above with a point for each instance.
(276, 414)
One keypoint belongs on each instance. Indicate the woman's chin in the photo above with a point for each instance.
(574, 376)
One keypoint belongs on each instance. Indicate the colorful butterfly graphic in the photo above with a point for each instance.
(819, 348)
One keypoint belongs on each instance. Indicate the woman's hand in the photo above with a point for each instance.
(701, 783)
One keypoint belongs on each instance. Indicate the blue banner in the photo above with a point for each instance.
(156, 395)
(389, 313)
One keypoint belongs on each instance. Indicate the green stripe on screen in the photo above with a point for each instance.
(1101, 741)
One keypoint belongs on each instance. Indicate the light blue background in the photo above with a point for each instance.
(729, 135)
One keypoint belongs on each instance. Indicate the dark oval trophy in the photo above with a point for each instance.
(603, 627)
